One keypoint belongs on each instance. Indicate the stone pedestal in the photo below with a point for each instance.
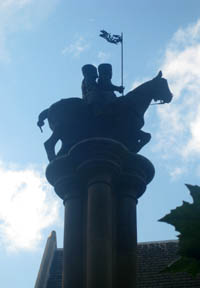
(100, 181)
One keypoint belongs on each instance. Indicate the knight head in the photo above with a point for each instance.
(105, 71)
(89, 71)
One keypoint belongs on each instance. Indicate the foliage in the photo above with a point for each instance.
(186, 220)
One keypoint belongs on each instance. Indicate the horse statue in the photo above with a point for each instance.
(73, 120)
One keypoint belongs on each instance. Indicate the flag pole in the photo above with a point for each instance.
(122, 61)
(115, 39)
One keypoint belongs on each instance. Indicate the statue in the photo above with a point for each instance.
(101, 92)
(104, 79)
(92, 90)
(89, 84)
(100, 113)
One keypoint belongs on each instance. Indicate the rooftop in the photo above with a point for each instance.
(152, 258)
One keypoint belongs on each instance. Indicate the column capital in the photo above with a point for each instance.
(137, 173)
(94, 157)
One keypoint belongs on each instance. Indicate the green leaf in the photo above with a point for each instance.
(183, 217)
(186, 220)
(183, 264)
(194, 192)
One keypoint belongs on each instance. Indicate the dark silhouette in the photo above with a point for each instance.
(98, 93)
(102, 90)
(89, 84)
(74, 119)
(104, 79)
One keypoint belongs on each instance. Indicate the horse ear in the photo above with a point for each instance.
(159, 74)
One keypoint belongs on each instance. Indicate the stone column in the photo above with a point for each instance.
(137, 173)
(67, 185)
(126, 242)
(100, 164)
(99, 232)
(100, 182)
(73, 234)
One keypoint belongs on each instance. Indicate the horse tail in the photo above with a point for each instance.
(42, 116)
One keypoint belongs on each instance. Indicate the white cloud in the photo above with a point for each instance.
(177, 172)
(102, 56)
(18, 15)
(77, 47)
(27, 207)
(16, 3)
(179, 133)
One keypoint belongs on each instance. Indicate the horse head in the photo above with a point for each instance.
(160, 89)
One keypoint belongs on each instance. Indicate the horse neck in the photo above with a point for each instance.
(144, 94)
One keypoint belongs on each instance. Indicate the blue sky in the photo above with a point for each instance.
(43, 45)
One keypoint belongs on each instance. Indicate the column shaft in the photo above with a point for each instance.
(99, 233)
(73, 256)
(126, 243)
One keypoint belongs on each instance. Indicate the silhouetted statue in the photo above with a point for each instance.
(120, 118)
(104, 79)
(101, 92)
(89, 84)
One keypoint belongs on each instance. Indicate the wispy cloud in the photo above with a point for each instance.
(18, 15)
(177, 172)
(180, 121)
(77, 47)
(16, 3)
(103, 56)
(27, 207)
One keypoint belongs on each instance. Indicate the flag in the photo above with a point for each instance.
(115, 39)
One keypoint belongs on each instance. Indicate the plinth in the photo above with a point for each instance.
(100, 182)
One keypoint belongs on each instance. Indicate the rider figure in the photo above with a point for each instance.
(105, 86)
(102, 90)
(89, 84)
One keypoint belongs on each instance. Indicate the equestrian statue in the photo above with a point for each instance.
(100, 113)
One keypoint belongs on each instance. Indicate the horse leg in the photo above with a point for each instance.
(50, 144)
(143, 139)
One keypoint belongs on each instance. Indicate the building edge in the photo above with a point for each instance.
(43, 274)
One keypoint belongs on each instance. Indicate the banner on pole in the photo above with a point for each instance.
(115, 39)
